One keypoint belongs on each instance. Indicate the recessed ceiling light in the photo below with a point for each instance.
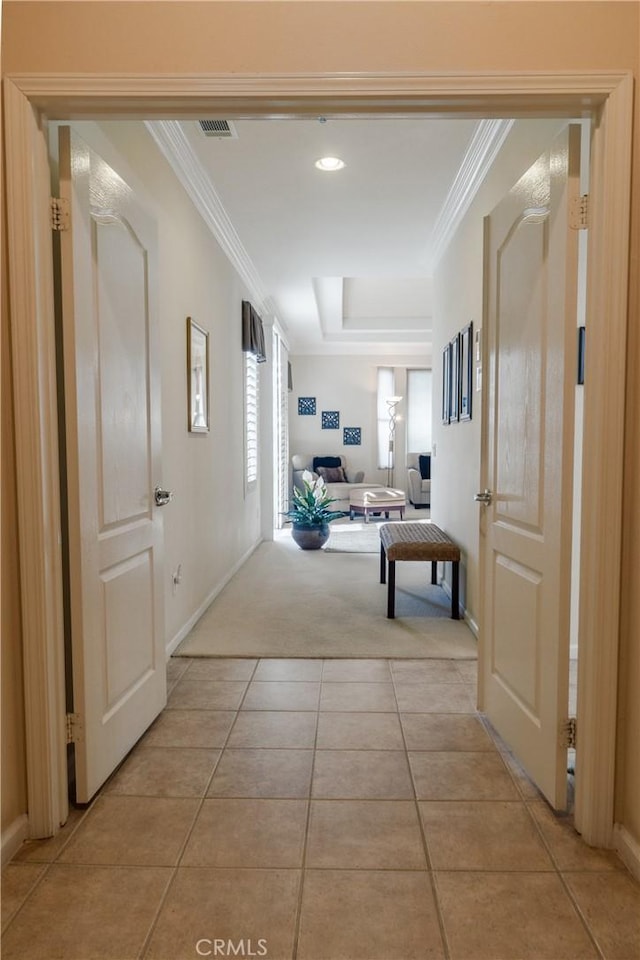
(329, 164)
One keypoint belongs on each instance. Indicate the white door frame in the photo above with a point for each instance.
(29, 99)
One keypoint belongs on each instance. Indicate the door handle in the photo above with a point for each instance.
(485, 497)
(162, 497)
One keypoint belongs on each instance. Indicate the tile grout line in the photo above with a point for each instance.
(567, 889)
(538, 829)
(174, 870)
(49, 863)
(430, 871)
(298, 917)
(27, 898)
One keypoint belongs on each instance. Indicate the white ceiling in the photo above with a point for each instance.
(343, 260)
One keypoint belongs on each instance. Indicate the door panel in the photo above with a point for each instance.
(123, 325)
(530, 328)
(520, 332)
(112, 420)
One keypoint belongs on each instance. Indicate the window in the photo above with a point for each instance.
(418, 411)
(280, 357)
(251, 412)
(385, 389)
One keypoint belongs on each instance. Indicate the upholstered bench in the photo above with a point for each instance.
(420, 540)
(376, 500)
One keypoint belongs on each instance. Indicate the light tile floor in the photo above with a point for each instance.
(319, 810)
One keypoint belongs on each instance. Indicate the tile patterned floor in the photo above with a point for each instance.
(319, 810)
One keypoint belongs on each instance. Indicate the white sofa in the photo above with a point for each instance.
(419, 489)
(339, 491)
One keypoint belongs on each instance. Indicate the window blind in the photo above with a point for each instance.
(251, 415)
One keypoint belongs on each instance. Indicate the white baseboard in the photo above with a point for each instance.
(471, 623)
(193, 619)
(464, 614)
(13, 838)
(628, 848)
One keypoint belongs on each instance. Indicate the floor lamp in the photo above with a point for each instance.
(391, 402)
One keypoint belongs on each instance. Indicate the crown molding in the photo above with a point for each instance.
(482, 151)
(171, 140)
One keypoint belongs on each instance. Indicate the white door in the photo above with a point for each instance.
(112, 414)
(530, 326)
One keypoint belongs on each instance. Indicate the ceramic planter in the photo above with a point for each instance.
(310, 537)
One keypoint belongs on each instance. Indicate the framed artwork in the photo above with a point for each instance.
(454, 409)
(330, 420)
(446, 384)
(306, 406)
(197, 377)
(352, 436)
(466, 371)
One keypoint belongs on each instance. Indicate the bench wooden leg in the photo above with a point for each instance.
(383, 564)
(434, 572)
(391, 591)
(455, 591)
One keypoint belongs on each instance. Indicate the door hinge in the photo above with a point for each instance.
(568, 733)
(579, 212)
(60, 216)
(75, 728)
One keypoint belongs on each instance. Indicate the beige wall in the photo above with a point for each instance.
(210, 525)
(307, 36)
(628, 798)
(14, 791)
(456, 304)
(365, 36)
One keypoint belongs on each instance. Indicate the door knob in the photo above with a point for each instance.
(485, 497)
(162, 497)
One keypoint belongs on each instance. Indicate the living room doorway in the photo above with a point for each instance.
(610, 243)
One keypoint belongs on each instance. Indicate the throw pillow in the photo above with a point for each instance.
(326, 462)
(425, 466)
(332, 474)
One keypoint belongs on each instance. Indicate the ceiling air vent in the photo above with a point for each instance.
(222, 129)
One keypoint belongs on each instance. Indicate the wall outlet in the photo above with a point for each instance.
(176, 578)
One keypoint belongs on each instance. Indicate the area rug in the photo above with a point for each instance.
(286, 602)
(359, 538)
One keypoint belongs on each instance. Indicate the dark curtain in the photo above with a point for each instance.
(252, 333)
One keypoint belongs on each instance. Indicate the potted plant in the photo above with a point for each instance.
(311, 513)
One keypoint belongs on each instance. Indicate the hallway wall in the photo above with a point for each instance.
(351, 37)
(14, 786)
(204, 471)
(458, 292)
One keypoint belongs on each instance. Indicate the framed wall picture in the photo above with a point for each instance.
(454, 413)
(306, 406)
(446, 384)
(197, 377)
(352, 436)
(330, 419)
(466, 371)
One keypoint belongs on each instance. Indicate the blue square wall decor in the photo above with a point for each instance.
(306, 406)
(330, 420)
(352, 436)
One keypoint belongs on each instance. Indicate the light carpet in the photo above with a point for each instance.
(287, 602)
